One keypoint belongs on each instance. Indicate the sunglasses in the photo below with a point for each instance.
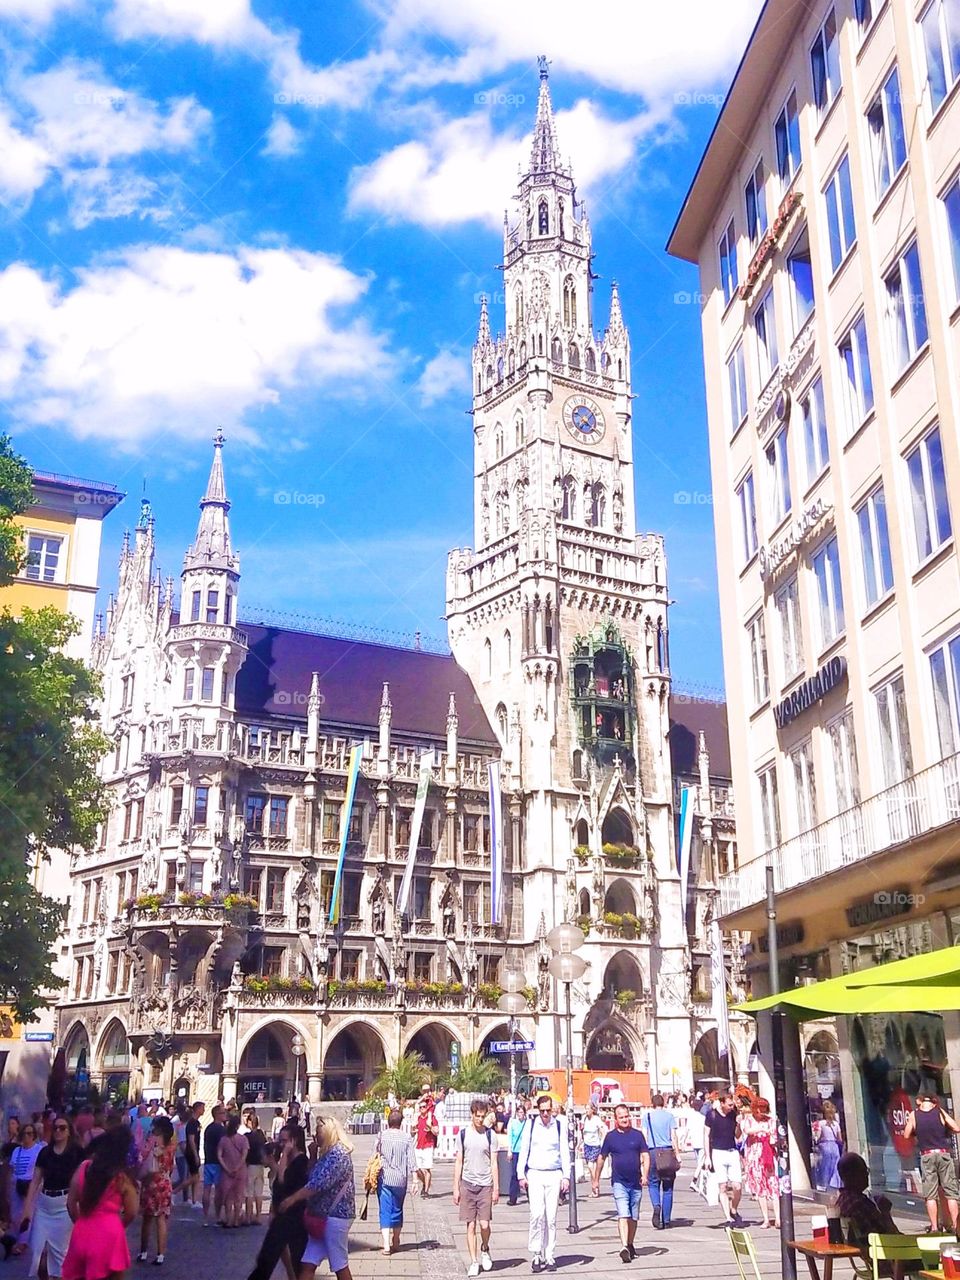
(32, 1133)
(61, 1128)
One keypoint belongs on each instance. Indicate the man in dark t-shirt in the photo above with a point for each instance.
(721, 1157)
(191, 1152)
(211, 1165)
(629, 1173)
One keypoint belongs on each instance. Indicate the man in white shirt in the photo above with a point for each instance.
(543, 1169)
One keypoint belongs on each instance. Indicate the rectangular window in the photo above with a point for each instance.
(826, 567)
(137, 819)
(403, 828)
(253, 882)
(428, 830)
(758, 660)
(127, 817)
(842, 228)
(845, 770)
(787, 135)
(330, 827)
(278, 815)
(133, 881)
(356, 824)
(254, 809)
(941, 43)
(471, 900)
(769, 808)
(825, 64)
(213, 605)
(43, 558)
(195, 606)
(804, 787)
(201, 798)
(195, 877)
(875, 546)
(755, 201)
(87, 892)
(421, 897)
(490, 969)
(928, 495)
(791, 633)
(728, 262)
(188, 685)
(857, 378)
(350, 889)
(765, 327)
(113, 965)
(748, 517)
(176, 804)
(864, 13)
(895, 749)
(271, 962)
(276, 880)
(471, 829)
(888, 143)
(951, 206)
(945, 672)
(349, 965)
(422, 966)
(778, 477)
(800, 267)
(206, 685)
(906, 313)
(170, 881)
(816, 447)
(737, 384)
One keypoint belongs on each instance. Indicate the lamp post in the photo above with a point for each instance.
(298, 1048)
(513, 1002)
(566, 967)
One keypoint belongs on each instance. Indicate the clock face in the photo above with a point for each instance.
(583, 418)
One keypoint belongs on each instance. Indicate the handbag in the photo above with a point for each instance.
(315, 1225)
(665, 1160)
(23, 1186)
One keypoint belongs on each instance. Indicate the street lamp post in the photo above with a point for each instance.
(298, 1048)
(513, 1002)
(566, 967)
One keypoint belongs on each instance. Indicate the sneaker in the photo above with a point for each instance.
(537, 1262)
(142, 1257)
(737, 1220)
(550, 1264)
(159, 1260)
(625, 1254)
(656, 1217)
(633, 1252)
(473, 1269)
(486, 1262)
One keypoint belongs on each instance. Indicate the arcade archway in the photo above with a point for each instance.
(268, 1071)
(609, 1049)
(351, 1063)
(432, 1042)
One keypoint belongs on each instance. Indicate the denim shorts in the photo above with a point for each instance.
(627, 1199)
(590, 1153)
(211, 1175)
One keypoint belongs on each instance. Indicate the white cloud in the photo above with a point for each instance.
(464, 170)
(448, 371)
(36, 12)
(24, 163)
(161, 339)
(282, 138)
(226, 23)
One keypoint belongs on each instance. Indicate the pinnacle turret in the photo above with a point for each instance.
(211, 547)
(615, 329)
(483, 333)
(544, 155)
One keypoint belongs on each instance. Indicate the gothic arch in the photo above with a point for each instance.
(499, 369)
(488, 657)
(76, 1039)
(507, 650)
(614, 1046)
(519, 429)
(518, 307)
(523, 354)
(355, 1050)
(498, 440)
(113, 1054)
(590, 361)
(595, 495)
(543, 218)
(489, 376)
(540, 344)
(574, 356)
(617, 828)
(511, 362)
(556, 351)
(569, 509)
(584, 907)
(622, 974)
(289, 1028)
(432, 1037)
(620, 898)
(570, 303)
(500, 716)
(581, 833)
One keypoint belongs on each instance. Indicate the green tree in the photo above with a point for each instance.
(50, 795)
(404, 1079)
(477, 1073)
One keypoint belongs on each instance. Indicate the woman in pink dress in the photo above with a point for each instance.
(102, 1202)
(156, 1188)
(760, 1160)
(232, 1158)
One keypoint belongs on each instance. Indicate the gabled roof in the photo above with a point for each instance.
(689, 717)
(275, 681)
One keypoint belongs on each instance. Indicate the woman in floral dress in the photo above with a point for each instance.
(759, 1130)
(156, 1194)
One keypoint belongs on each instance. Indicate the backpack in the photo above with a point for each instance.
(463, 1139)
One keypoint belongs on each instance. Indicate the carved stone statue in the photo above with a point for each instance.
(216, 865)
(471, 963)
(184, 823)
(449, 901)
(149, 867)
(398, 949)
(570, 911)
(236, 976)
(599, 885)
(379, 914)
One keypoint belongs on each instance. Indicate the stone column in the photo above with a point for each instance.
(228, 1086)
(314, 1085)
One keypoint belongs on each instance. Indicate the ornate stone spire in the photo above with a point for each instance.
(544, 156)
(616, 328)
(483, 333)
(211, 547)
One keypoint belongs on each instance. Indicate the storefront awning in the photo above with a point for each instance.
(927, 983)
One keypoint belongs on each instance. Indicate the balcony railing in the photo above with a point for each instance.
(909, 809)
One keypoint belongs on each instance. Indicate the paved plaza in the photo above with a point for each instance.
(433, 1241)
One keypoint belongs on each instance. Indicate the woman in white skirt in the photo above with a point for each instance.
(23, 1161)
(46, 1207)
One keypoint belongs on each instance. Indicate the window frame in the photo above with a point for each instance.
(800, 252)
(737, 388)
(790, 591)
(858, 407)
(949, 53)
(779, 492)
(46, 537)
(804, 777)
(882, 144)
(828, 62)
(748, 517)
(950, 206)
(727, 253)
(816, 440)
(921, 449)
(757, 225)
(841, 214)
(825, 562)
(906, 318)
(759, 661)
(768, 353)
(870, 514)
(791, 135)
(770, 823)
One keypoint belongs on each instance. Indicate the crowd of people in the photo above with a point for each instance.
(70, 1185)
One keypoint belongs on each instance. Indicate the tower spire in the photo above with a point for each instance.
(483, 333)
(211, 547)
(544, 156)
(616, 327)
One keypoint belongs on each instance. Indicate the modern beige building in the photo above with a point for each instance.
(825, 220)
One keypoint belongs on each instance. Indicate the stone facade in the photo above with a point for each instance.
(200, 931)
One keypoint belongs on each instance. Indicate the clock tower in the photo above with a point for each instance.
(559, 611)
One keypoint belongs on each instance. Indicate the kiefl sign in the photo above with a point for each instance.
(810, 692)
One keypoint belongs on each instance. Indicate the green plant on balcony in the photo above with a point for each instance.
(625, 998)
(195, 899)
(374, 986)
(256, 984)
(582, 854)
(530, 995)
(584, 922)
(150, 901)
(613, 919)
(260, 984)
(240, 902)
(489, 994)
(621, 855)
(334, 987)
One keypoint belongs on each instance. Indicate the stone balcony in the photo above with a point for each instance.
(153, 910)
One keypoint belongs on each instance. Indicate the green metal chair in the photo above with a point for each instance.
(892, 1249)
(742, 1244)
(929, 1247)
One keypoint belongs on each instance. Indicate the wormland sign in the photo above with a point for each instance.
(772, 557)
(810, 691)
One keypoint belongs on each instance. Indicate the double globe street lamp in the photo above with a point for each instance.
(567, 967)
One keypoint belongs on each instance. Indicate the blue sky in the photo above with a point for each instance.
(277, 216)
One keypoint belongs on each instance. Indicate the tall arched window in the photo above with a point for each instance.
(523, 354)
(569, 498)
(598, 505)
(503, 514)
(619, 368)
(511, 362)
(498, 440)
(519, 308)
(556, 351)
(590, 361)
(500, 368)
(540, 345)
(507, 651)
(570, 303)
(488, 658)
(574, 356)
(543, 218)
(500, 715)
(519, 430)
(489, 376)
(662, 661)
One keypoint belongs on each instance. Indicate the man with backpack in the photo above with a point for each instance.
(476, 1185)
(543, 1169)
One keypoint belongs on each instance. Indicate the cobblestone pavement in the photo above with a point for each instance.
(433, 1245)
